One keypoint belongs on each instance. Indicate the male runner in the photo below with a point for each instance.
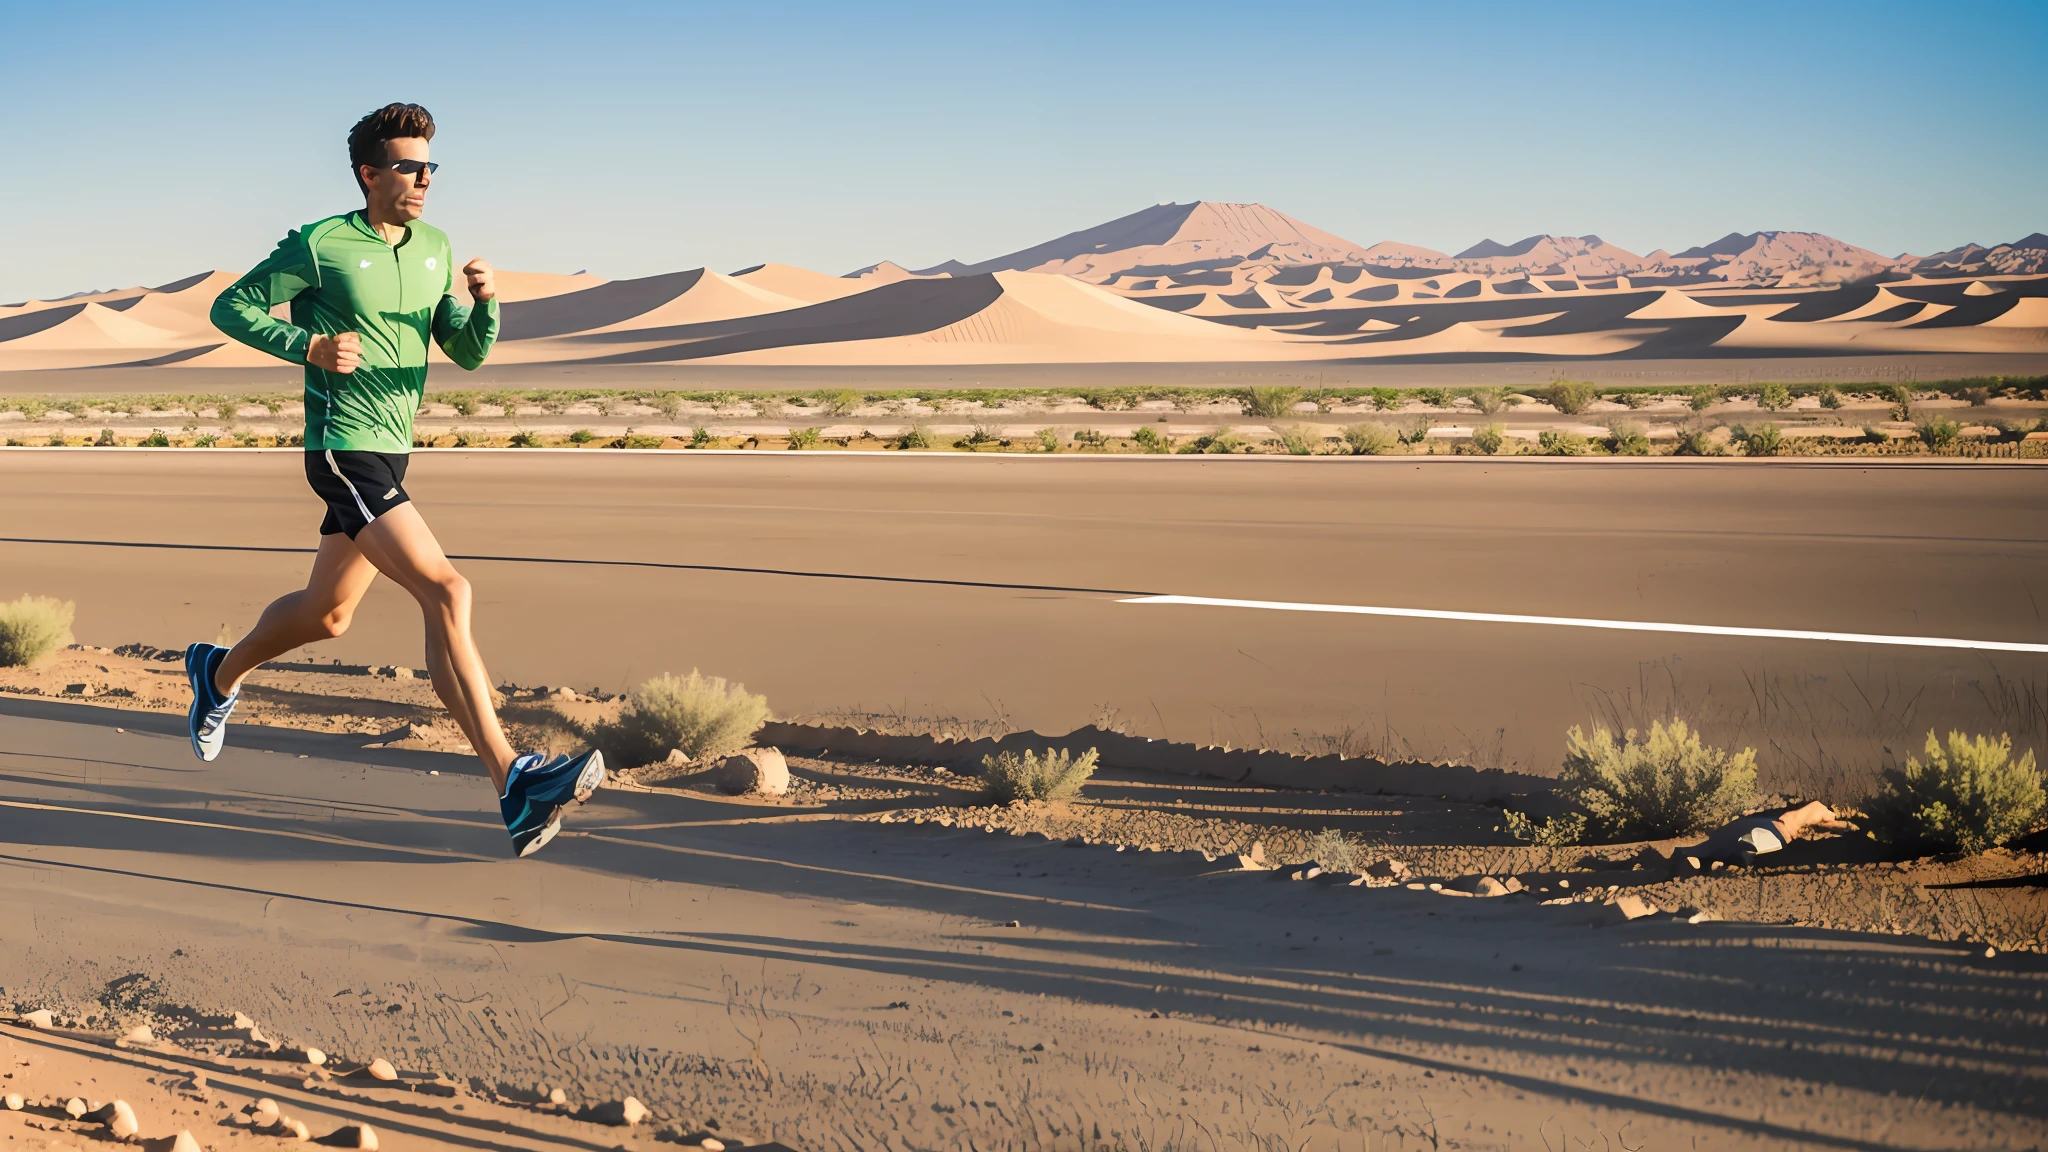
(366, 291)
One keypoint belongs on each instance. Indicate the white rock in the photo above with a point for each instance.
(677, 758)
(266, 1110)
(557, 1096)
(631, 1109)
(140, 1034)
(381, 1069)
(711, 1144)
(75, 1108)
(40, 1018)
(243, 1022)
(13, 1102)
(184, 1142)
(314, 1056)
(761, 771)
(123, 1124)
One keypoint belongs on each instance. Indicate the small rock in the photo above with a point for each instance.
(620, 1113)
(1514, 884)
(711, 1144)
(1489, 886)
(677, 758)
(1257, 854)
(140, 1034)
(243, 1023)
(1701, 917)
(761, 771)
(557, 1096)
(1633, 907)
(293, 1128)
(1989, 952)
(13, 1102)
(381, 1069)
(314, 1056)
(360, 1136)
(183, 1142)
(40, 1018)
(74, 1108)
(122, 1123)
(265, 1110)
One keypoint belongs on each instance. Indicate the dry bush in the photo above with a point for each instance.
(703, 716)
(1339, 851)
(33, 627)
(1489, 438)
(1968, 797)
(1271, 399)
(1554, 832)
(1008, 777)
(1665, 784)
(1300, 440)
(1370, 439)
(1571, 397)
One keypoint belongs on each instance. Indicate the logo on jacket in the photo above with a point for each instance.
(430, 263)
(364, 264)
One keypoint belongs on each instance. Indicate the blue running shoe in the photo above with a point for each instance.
(208, 720)
(538, 791)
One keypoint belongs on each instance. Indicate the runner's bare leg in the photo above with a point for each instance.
(402, 547)
(319, 611)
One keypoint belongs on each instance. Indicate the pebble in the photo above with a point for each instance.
(314, 1056)
(1989, 952)
(123, 1124)
(75, 1108)
(557, 1096)
(1633, 907)
(140, 1034)
(184, 1142)
(711, 1144)
(381, 1069)
(243, 1022)
(1489, 886)
(40, 1018)
(760, 771)
(267, 1109)
(359, 1136)
(13, 1102)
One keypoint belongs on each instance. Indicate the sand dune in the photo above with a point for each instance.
(801, 283)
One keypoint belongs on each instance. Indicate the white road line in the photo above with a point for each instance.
(1583, 622)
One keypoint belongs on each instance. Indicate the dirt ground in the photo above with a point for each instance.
(882, 960)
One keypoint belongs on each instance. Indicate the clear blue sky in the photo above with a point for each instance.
(147, 141)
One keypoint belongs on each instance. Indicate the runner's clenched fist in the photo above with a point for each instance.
(340, 353)
(483, 280)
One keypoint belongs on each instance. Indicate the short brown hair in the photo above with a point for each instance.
(391, 122)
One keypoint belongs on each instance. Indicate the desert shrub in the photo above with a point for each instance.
(1701, 397)
(1762, 440)
(582, 436)
(464, 403)
(56, 439)
(802, 438)
(106, 439)
(1967, 797)
(1636, 398)
(915, 436)
(1552, 442)
(1901, 398)
(1488, 438)
(1222, 441)
(843, 401)
(1666, 784)
(1271, 399)
(525, 439)
(702, 716)
(32, 628)
(1555, 832)
(1774, 396)
(157, 438)
(701, 437)
(1488, 400)
(1300, 440)
(1385, 399)
(1049, 439)
(1830, 397)
(1938, 432)
(1570, 397)
(246, 439)
(1054, 775)
(629, 440)
(1434, 397)
(1148, 438)
(1368, 439)
(669, 404)
(1696, 442)
(977, 436)
(1090, 438)
(206, 441)
(1978, 397)
(1626, 439)
(1339, 851)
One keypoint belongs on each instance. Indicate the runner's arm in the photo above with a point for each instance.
(466, 334)
(243, 311)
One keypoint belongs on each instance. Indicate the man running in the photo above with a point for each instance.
(367, 290)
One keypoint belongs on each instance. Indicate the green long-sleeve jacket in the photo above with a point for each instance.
(340, 276)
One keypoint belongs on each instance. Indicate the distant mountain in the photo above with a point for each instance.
(1584, 256)
(1779, 259)
(2023, 257)
(1173, 238)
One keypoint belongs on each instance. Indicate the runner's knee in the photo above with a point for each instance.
(450, 589)
(335, 621)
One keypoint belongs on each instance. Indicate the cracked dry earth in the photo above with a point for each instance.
(879, 962)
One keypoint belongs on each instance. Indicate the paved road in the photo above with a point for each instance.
(984, 589)
(843, 985)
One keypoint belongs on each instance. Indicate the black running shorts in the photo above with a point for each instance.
(357, 486)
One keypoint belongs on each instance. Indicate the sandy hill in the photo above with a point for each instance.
(801, 283)
(1170, 238)
(1785, 259)
(2026, 256)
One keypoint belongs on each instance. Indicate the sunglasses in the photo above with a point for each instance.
(411, 167)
